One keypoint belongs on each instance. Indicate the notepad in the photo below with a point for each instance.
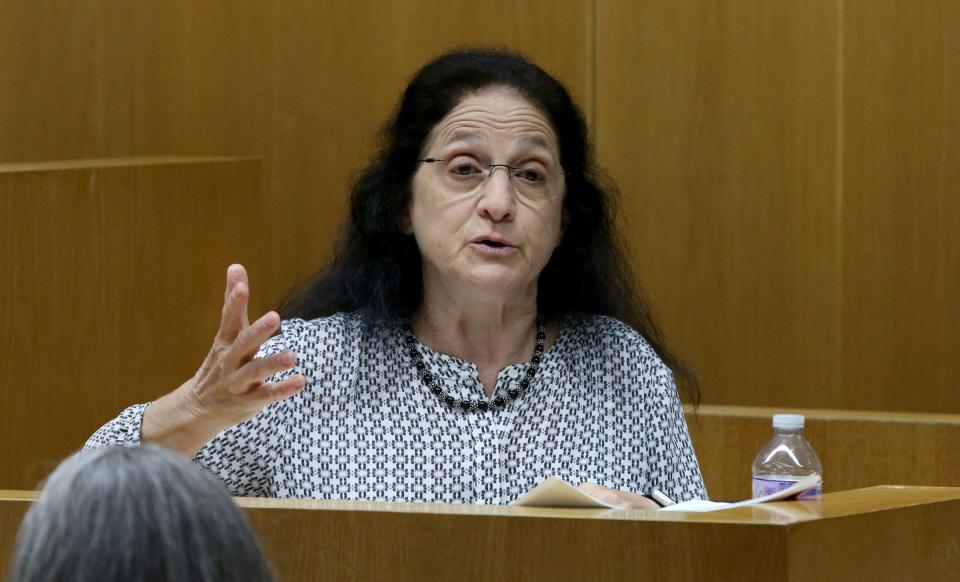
(555, 492)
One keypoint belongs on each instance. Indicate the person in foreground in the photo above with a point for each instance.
(135, 514)
(477, 330)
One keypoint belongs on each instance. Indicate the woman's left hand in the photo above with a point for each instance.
(622, 499)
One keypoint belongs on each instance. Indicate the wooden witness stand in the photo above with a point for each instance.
(877, 533)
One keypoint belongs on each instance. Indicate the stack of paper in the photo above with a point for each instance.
(555, 492)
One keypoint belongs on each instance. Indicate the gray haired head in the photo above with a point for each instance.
(141, 513)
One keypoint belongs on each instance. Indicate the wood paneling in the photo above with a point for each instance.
(113, 275)
(719, 120)
(858, 448)
(791, 177)
(901, 205)
(302, 85)
(790, 170)
(13, 506)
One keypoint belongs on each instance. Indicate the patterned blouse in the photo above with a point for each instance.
(602, 408)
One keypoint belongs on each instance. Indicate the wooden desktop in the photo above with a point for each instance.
(877, 533)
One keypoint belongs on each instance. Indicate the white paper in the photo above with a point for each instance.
(555, 492)
(698, 505)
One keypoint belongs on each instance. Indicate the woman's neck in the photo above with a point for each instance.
(498, 337)
(490, 334)
(481, 325)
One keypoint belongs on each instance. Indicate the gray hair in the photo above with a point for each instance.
(140, 513)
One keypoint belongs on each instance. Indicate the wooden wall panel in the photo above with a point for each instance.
(901, 205)
(112, 284)
(858, 448)
(13, 507)
(790, 169)
(719, 120)
(302, 85)
(48, 92)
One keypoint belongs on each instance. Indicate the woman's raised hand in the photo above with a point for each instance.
(229, 387)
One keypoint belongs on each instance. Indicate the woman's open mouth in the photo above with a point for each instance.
(492, 247)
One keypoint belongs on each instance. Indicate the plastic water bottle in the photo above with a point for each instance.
(786, 459)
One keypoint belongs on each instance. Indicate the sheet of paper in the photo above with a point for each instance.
(697, 505)
(555, 492)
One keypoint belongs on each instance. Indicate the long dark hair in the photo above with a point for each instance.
(376, 266)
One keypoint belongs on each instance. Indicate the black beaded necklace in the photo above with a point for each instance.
(512, 394)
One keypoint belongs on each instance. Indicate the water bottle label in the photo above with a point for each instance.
(762, 487)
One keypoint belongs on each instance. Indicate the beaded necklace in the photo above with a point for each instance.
(512, 394)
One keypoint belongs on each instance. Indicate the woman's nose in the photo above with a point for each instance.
(497, 198)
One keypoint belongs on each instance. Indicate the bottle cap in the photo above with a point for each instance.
(788, 421)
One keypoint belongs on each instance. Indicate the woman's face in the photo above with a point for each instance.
(486, 232)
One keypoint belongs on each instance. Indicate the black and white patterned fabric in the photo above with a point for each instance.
(602, 408)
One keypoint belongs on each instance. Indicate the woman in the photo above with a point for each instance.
(134, 514)
(476, 332)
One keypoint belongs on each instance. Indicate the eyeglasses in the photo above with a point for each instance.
(532, 181)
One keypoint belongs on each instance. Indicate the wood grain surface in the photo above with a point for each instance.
(789, 170)
(881, 533)
(791, 178)
(720, 122)
(304, 86)
(113, 281)
(858, 448)
(901, 205)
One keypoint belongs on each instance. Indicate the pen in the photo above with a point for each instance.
(661, 498)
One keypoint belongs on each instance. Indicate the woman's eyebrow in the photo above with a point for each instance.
(524, 142)
(466, 136)
(534, 141)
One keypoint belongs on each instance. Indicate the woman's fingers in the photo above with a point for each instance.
(617, 497)
(236, 274)
(229, 388)
(256, 371)
(266, 394)
(599, 492)
(233, 318)
(231, 324)
(248, 342)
